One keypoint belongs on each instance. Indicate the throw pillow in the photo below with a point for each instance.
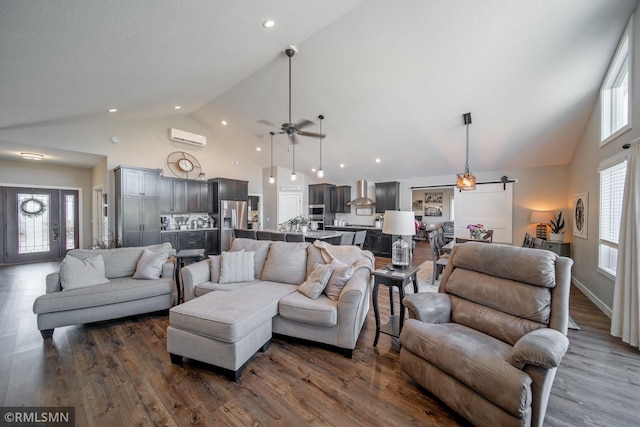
(260, 247)
(215, 267)
(150, 265)
(80, 273)
(237, 267)
(316, 281)
(341, 274)
(286, 263)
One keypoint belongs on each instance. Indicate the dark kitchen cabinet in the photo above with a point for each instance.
(191, 239)
(387, 196)
(173, 195)
(226, 189)
(197, 196)
(171, 237)
(137, 213)
(378, 243)
(320, 194)
(211, 242)
(340, 196)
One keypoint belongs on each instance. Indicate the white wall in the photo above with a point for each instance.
(583, 177)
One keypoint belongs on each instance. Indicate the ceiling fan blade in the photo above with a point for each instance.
(311, 134)
(304, 123)
(266, 122)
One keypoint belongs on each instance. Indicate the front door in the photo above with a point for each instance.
(41, 224)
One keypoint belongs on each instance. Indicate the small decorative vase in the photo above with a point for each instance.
(303, 228)
(475, 234)
(555, 237)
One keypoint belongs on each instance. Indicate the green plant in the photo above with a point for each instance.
(110, 243)
(557, 224)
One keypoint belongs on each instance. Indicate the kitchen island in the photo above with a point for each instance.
(376, 241)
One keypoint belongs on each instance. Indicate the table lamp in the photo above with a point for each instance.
(399, 223)
(542, 218)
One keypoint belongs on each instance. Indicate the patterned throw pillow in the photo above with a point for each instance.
(316, 281)
(237, 267)
(341, 274)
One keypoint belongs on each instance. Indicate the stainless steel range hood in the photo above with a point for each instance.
(362, 199)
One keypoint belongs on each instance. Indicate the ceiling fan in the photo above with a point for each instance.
(292, 129)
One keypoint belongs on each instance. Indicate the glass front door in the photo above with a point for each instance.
(42, 224)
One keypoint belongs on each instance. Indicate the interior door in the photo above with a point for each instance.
(41, 224)
(289, 205)
(490, 205)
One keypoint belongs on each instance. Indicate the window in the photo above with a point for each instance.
(615, 93)
(612, 178)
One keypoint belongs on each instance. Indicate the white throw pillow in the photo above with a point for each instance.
(316, 281)
(81, 273)
(341, 274)
(150, 265)
(237, 267)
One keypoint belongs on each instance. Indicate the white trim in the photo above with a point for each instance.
(591, 296)
(613, 160)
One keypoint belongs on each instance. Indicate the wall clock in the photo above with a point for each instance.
(184, 165)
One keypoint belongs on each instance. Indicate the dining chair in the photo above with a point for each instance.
(246, 234)
(279, 237)
(488, 236)
(347, 238)
(295, 237)
(263, 235)
(359, 238)
(439, 262)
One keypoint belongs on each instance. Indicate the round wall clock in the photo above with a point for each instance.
(183, 165)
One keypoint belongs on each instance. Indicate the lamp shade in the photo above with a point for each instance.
(541, 217)
(399, 223)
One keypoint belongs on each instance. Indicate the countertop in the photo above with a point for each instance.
(354, 227)
(190, 229)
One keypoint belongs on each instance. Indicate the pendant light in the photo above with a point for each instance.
(320, 168)
(466, 180)
(293, 169)
(272, 179)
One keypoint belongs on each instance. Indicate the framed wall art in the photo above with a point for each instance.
(433, 211)
(580, 215)
(433, 197)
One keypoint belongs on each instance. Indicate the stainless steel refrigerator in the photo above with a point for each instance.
(233, 214)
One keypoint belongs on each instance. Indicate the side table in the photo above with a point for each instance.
(184, 257)
(392, 278)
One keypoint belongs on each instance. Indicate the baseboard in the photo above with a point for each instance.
(594, 299)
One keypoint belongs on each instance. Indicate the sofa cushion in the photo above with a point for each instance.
(215, 267)
(76, 273)
(260, 247)
(150, 264)
(120, 262)
(206, 287)
(116, 291)
(316, 281)
(286, 263)
(341, 274)
(478, 361)
(321, 311)
(237, 267)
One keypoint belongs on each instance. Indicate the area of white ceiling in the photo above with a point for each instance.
(392, 78)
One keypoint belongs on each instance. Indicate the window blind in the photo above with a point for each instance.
(611, 195)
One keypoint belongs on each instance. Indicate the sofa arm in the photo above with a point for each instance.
(542, 347)
(429, 307)
(53, 282)
(192, 275)
(353, 307)
(169, 268)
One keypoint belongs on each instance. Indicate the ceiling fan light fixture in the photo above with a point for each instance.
(320, 173)
(466, 180)
(272, 180)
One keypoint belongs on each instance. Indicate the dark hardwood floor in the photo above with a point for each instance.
(119, 373)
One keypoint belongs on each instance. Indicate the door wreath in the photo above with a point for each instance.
(32, 207)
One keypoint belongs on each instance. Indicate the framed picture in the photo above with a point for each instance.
(364, 211)
(580, 215)
(433, 211)
(433, 197)
(417, 205)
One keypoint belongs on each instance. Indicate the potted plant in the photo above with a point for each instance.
(303, 220)
(557, 227)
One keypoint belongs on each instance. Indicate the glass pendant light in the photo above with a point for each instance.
(272, 179)
(320, 168)
(293, 169)
(466, 180)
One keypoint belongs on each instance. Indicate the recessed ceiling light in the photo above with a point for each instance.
(269, 23)
(224, 122)
(177, 107)
(341, 165)
(258, 149)
(32, 156)
(113, 110)
(313, 169)
(378, 160)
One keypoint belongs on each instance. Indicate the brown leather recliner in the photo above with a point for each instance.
(489, 342)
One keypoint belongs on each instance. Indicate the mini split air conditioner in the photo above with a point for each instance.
(187, 137)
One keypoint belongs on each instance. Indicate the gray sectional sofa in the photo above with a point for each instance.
(224, 323)
(87, 299)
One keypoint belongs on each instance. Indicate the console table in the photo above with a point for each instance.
(186, 256)
(392, 278)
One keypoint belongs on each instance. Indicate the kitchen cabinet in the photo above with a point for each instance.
(181, 195)
(191, 239)
(226, 189)
(170, 237)
(340, 196)
(378, 243)
(211, 242)
(319, 194)
(137, 212)
(387, 196)
(197, 196)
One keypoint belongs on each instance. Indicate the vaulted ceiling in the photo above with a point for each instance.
(392, 78)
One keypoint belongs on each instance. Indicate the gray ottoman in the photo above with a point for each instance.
(225, 328)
